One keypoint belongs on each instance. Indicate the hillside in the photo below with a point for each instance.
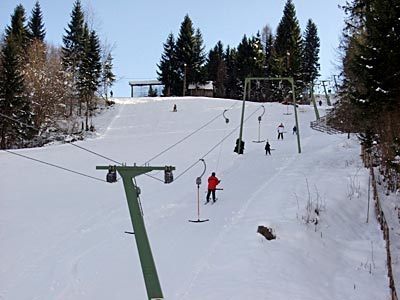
(62, 234)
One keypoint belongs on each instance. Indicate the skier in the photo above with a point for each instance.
(267, 149)
(175, 108)
(111, 94)
(213, 181)
(294, 129)
(280, 130)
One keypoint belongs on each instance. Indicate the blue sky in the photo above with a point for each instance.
(137, 29)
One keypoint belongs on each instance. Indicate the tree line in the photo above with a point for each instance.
(370, 93)
(47, 88)
(288, 53)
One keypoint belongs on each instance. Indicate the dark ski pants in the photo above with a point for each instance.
(208, 195)
(267, 152)
(280, 135)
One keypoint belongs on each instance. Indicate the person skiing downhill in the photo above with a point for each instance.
(213, 181)
(280, 130)
(267, 149)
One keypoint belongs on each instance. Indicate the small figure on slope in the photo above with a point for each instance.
(267, 149)
(175, 109)
(280, 130)
(213, 181)
(294, 129)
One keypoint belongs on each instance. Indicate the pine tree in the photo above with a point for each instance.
(18, 30)
(168, 68)
(234, 88)
(185, 52)
(89, 70)
(269, 44)
(286, 58)
(35, 24)
(73, 48)
(370, 94)
(12, 99)
(216, 69)
(107, 75)
(250, 58)
(310, 64)
(198, 70)
(152, 92)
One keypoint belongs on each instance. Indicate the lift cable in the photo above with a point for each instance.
(186, 137)
(70, 143)
(95, 153)
(53, 165)
(215, 146)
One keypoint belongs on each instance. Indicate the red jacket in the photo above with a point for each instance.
(213, 182)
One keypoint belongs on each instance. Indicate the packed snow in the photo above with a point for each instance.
(62, 235)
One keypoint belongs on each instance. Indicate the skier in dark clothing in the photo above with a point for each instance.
(294, 129)
(213, 181)
(267, 149)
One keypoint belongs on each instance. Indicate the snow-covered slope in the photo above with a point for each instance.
(62, 235)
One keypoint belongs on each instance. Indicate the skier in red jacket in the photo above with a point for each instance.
(213, 181)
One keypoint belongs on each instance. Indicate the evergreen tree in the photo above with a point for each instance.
(107, 75)
(35, 24)
(286, 59)
(310, 67)
(73, 48)
(269, 44)
(12, 99)
(232, 83)
(89, 70)
(370, 94)
(152, 92)
(198, 70)
(18, 30)
(168, 68)
(216, 69)
(250, 58)
(185, 53)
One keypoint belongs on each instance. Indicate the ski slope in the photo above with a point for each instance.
(62, 235)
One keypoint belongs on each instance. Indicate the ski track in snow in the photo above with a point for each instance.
(228, 226)
(78, 262)
(116, 117)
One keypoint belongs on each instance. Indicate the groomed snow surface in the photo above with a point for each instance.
(62, 235)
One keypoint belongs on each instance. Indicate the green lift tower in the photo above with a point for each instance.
(128, 173)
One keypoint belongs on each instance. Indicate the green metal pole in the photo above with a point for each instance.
(295, 115)
(328, 101)
(149, 270)
(313, 101)
(242, 118)
(247, 81)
